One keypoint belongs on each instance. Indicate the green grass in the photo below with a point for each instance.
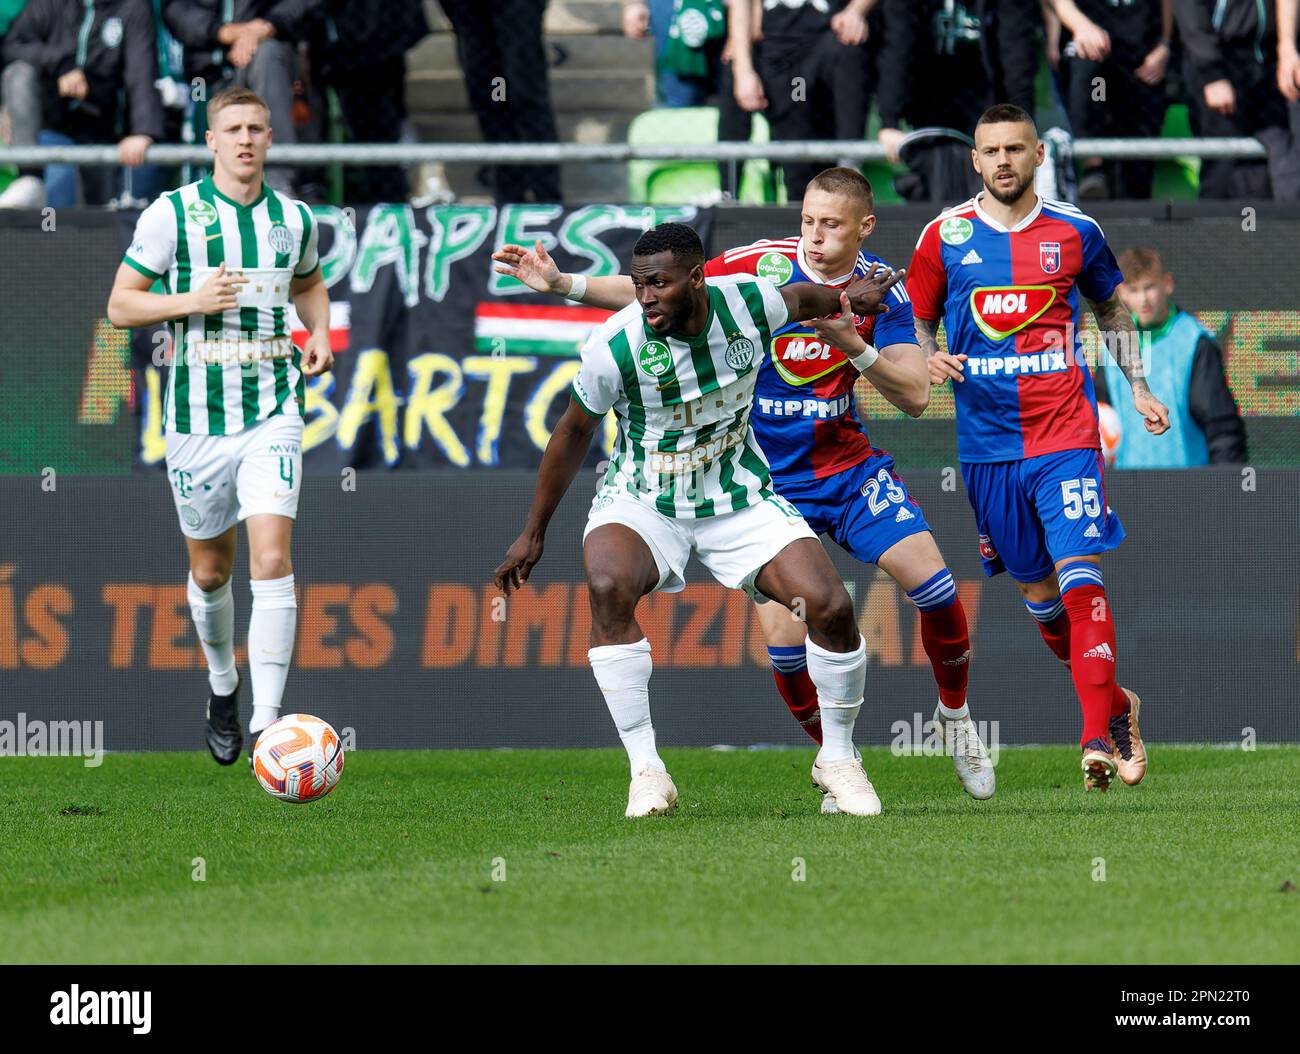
(397, 864)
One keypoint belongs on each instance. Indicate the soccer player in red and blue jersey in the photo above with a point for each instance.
(1004, 273)
(822, 460)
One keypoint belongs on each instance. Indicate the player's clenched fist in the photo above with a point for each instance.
(945, 367)
(534, 267)
(317, 356)
(1155, 415)
(219, 293)
(520, 560)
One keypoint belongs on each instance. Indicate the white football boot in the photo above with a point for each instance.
(846, 787)
(962, 743)
(651, 793)
(829, 806)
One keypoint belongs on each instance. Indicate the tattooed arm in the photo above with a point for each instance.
(1123, 341)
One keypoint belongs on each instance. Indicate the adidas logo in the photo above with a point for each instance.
(972, 257)
(1101, 651)
(1092, 531)
(903, 516)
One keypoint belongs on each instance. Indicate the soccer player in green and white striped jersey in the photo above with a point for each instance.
(230, 255)
(678, 368)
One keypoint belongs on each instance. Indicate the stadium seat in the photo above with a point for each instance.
(675, 182)
(1180, 177)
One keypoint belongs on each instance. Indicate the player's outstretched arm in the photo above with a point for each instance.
(560, 463)
(1123, 342)
(897, 371)
(535, 268)
(866, 295)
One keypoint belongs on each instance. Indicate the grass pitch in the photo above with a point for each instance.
(400, 863)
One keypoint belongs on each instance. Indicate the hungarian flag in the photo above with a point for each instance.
(534, 329)
(340, 326)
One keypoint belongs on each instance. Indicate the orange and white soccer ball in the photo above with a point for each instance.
(1108, 424)
(298, 758)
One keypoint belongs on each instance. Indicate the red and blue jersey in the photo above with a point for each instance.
(1009, 299)
(804, 415)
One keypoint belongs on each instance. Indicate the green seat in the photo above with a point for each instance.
(676, 182)
(1179, 177)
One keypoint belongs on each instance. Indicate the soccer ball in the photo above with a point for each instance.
(1111, 430)
(298, 758)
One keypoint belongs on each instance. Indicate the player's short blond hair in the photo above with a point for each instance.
(235, 97)
(1141, 262)
(848, 182)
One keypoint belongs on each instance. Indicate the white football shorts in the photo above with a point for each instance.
(734, 546)
(218, 481)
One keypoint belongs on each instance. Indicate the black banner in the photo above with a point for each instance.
(440, 361)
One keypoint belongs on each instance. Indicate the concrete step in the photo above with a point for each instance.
(603, 51)
(596, 126)
(572, 91)
(562, 16)
(605, 184)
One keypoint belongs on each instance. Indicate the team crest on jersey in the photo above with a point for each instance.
(281, 238)
(986, 548)
(202, 213)
(1049, 255)
(740, 352)
(801, 358)
(956, 230)
(654, 358)
(775, 267)
(1001, 310)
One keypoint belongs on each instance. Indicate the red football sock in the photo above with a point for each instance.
(1118, 702)
(1092, 657)
(800, 695)
(946, 640)
(1056, 634)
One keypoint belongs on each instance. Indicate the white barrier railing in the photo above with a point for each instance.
(555, 153)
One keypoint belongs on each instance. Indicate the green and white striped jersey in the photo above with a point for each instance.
(684, 442)
(232, 369)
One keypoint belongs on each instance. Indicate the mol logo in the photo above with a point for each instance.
(1000, 311)
(801, 358)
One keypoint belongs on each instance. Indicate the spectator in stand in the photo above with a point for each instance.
(1288, 49)
(67, 65)
(1229, 67)
(1184, 368)
(1284, 161)
(809, 68)
(362, 56)
(674, 90)
(681, 80)
(1114, 62)
(943, 64)
(504, 63)
(245, 44)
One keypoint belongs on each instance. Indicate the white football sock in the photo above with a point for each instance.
(623, 673)
(839, 677)
(214, 619)
(270, 645)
